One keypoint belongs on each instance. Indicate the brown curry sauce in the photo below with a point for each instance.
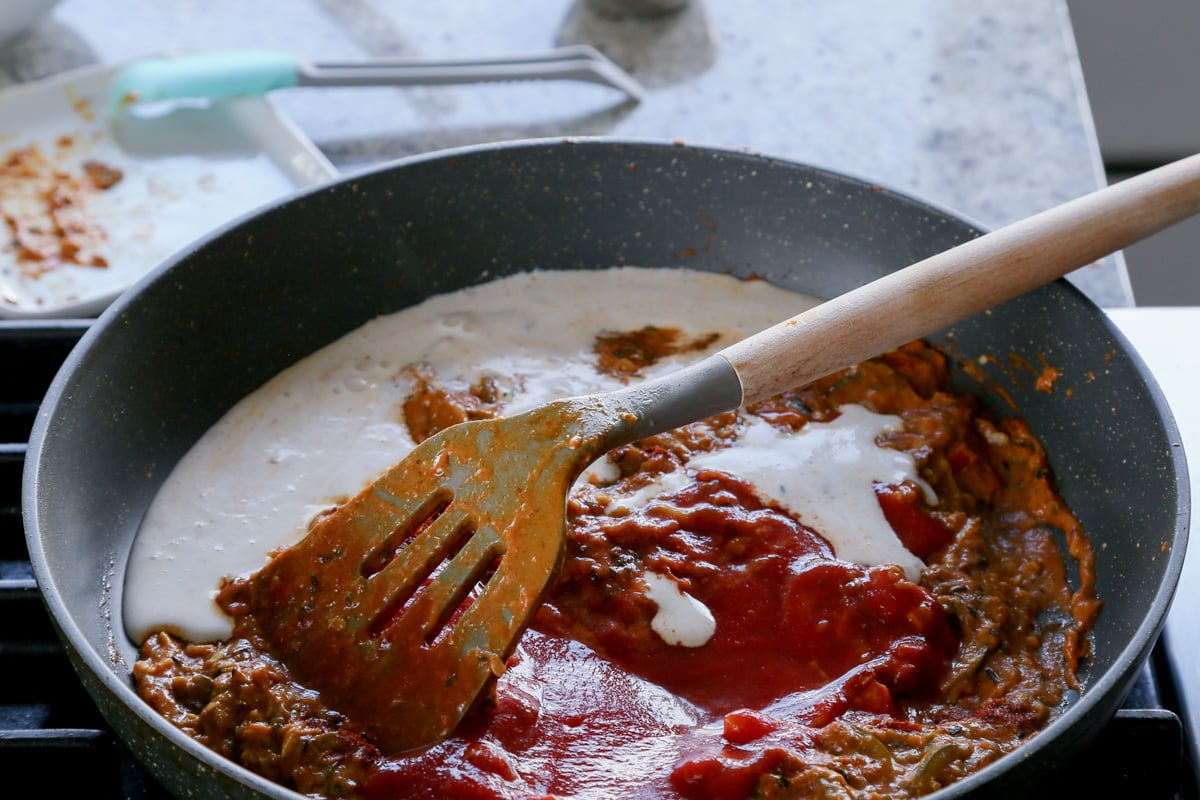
(824, 679)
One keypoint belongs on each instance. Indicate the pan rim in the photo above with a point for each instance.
(1106, 689)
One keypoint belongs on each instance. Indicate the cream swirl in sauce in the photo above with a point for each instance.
(325, 427)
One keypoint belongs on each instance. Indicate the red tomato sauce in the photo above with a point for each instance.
(800, 640)
(821, 678)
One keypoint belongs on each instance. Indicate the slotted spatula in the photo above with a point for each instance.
(403, 603)
(229, 73)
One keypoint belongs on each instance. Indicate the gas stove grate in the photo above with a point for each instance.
(50, 728)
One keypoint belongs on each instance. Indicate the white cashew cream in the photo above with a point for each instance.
(325, 427)
(681, 619)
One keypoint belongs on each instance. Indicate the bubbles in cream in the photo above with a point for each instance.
(325, 427)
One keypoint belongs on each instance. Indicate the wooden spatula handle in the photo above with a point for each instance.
(966, 280)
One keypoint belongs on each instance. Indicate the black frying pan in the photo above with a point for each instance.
(181, 347)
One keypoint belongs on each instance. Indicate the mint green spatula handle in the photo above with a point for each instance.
(209, 75)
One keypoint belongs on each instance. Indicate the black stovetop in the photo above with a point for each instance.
(51, 731)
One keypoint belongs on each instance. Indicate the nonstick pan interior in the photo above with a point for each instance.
(218, 319)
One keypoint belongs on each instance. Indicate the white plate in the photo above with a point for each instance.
(185, 170)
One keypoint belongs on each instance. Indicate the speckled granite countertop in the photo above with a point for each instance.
(978, 107)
